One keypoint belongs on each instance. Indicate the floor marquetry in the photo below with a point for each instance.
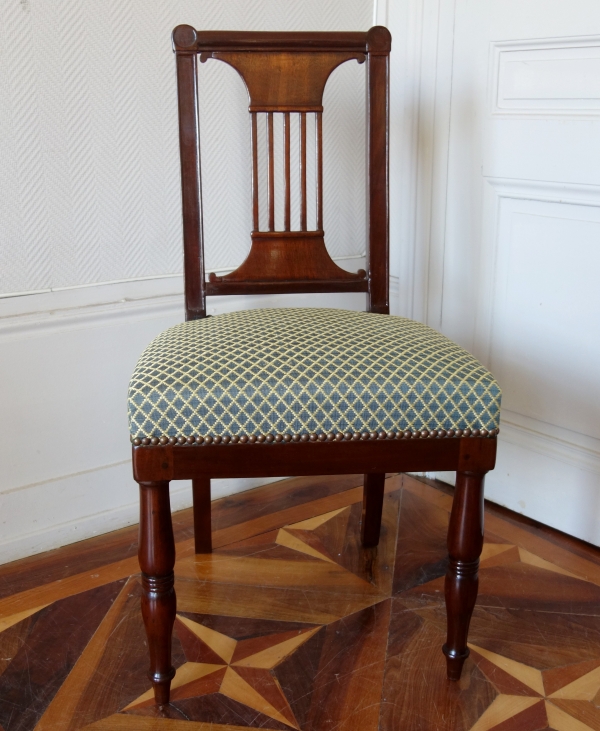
(291, 624)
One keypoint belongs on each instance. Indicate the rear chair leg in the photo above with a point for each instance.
(157, 559)
(465, 541)
(202, 522)
(372, 508)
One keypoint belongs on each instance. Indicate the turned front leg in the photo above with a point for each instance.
(465, 541)
(157, 558)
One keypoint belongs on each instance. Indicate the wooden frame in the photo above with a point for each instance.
(304, 266)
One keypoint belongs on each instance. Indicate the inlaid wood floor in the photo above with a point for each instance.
(290, 624)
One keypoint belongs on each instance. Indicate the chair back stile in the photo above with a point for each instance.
(285, 73)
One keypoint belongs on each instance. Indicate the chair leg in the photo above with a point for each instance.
(465, 541)
(157, 558)
(202, 522)
(372, 508)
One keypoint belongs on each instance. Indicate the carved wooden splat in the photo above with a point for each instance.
(280, 82)
(284, 83)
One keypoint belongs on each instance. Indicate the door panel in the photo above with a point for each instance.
(521, 246)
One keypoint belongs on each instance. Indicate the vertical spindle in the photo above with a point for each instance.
(271, 170)
(303, 171)
(286, 171)
(254, 172)
(319, 146)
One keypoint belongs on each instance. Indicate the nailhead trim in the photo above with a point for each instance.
(321, 437)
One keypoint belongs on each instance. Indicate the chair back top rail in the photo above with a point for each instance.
(187, 39)
(285, 73)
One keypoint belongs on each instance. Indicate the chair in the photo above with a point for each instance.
(279, 392)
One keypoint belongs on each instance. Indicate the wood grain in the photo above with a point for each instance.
(285, 81)
(575, 716)
(319, 177)
(421, 553)
(282, 258)
(567, 639)
(263, 502)
(250, 571)
(186, 38)
(416, 695)
(202, 515)
(189, 148)
(283, 74)
(61, 711)
(324, 657)
(350, 673)
(556, 678)
(315, 606)
(11, 641)
(122, 722)
(84, 556)
(513, 713)
(512, 532)
(116, 679)
(321, 457)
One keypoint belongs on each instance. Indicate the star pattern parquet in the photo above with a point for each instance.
(291, 624)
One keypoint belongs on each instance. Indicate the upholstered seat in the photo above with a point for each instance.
(307, 371)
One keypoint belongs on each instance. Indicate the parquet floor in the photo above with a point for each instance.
(290, 624)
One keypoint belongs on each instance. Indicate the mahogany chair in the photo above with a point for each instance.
(279, 392)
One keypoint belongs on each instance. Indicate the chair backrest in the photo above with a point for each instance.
(285, 73)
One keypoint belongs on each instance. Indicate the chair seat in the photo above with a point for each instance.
(298, 371)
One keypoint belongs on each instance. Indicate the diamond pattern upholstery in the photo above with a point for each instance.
(307, 370)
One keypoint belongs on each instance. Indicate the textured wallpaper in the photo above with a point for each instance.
(89, 168)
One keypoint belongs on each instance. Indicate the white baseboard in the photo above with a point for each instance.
(572, 448)
(86, 505)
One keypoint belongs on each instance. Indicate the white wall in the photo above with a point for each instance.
(89, 180)
(499, 223)
(90, 232)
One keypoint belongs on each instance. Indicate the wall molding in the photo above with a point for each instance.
(48, 323)
(546, 191)
(532, 435)
(496, 191)
(175, 275)
(579, 450)
(553, 42)
(576, 449)
(116, 517)
(46, 313)
(540, 107)
(72, 475)
(82, 527)
(380, 12)
(420, 104)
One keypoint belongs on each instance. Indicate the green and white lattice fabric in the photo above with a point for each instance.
(293, 371)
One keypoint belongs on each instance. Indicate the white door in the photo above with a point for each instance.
(507, 231)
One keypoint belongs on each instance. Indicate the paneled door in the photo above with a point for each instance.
(515, 271)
